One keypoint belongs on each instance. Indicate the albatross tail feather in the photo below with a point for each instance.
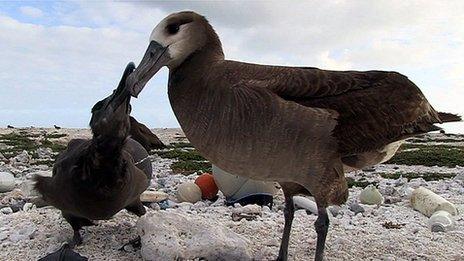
(449, 117)
(43, 186)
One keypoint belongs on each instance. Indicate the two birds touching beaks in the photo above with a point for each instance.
(302, 127)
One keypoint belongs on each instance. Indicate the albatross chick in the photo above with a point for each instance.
(95, 179)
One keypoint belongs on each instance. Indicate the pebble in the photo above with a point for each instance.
(155, 206)
(427, 202)
(415, 183)
(28, 206)
(25, 232)
(153, 196)
(7, 182)
(6, 210)
(44, 153)
(165, 204)
(21, 159)
(335, 210)
(3, 235)
(460, 177)
(370, 195)
(17, 206)
(356, 208)
(388, 191)
(248, 209)
(167, 235)
(392, 200)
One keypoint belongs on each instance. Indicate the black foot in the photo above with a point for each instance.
(76, 240)
(135, 243)
(64, 253)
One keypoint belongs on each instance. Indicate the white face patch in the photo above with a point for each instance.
(188, 39)
(158, 34)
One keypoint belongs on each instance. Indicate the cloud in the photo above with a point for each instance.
(80, 58)
(49, 70)
(31, 11)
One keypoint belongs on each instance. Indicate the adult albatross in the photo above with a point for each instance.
(298, 126)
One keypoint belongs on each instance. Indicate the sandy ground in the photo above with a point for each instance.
(351, 237)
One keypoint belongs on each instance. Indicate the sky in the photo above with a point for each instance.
(59, 58)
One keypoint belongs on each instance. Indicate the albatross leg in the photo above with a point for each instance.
(76, 223)
(138, 209)
(288, 214)
(322, 226)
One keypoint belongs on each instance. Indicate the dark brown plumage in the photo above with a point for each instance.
(94, 179)
(143, 135)
(299, 126)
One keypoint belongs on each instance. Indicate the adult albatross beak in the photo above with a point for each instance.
(155, 57)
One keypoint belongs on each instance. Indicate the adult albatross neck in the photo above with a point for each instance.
(298, 126)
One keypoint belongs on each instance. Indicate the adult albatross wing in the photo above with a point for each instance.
(375, 107)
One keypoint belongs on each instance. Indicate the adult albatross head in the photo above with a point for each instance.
(172, 41)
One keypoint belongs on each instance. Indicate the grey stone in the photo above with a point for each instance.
(28, 206)
(389, 191)
(44, 153)
(3, 235)
(460, 176)
(6, 210)
(26, 231)
(418, 182)
(153, 196)
(17, 206)
(356, 208)
(21, 159)
(370, 195)
(171, 236)
(335, 210)
(7, 182)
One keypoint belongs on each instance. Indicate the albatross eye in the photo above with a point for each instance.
(173, 28)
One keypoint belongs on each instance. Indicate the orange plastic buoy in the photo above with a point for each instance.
(207, 186)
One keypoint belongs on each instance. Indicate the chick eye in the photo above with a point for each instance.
(173, 28)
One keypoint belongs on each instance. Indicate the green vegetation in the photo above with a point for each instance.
(416, 140)
(55, 135)
(188, 167)
(188, 159)
(16, 142)
(441, 155)
(44, 162)
(429, 176)
(180, 145)
(182, 155)
(361, 183)
(56, 147)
